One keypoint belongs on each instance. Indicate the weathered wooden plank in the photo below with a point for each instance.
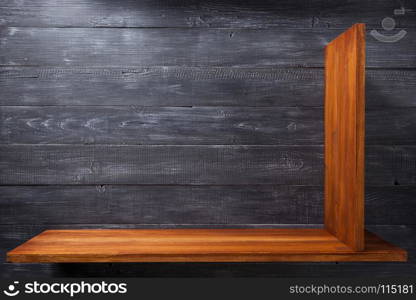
(346, 13)
(390, 165)
(160, 204)
(395, 126)
(12, 235)
(166, 125)
(107, 164)
(198, 205)
(197, 125)
(191, 86)
(198, 13)
(184, 47)
(166, 86)
(390, 205)
(75, 164)
(162, 47)
(390, 88)
(190, 125)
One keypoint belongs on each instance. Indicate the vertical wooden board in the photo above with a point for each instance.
(344, 136)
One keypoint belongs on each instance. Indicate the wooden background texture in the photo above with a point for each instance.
(201, 114)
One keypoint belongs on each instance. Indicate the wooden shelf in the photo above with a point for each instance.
(343, 239)
(197, 245)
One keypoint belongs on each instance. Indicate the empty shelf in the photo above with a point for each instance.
(197, 245)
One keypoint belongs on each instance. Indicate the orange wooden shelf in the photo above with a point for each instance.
(343, 239)
(197, 245)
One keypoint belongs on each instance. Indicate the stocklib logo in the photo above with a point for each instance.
(12, 290)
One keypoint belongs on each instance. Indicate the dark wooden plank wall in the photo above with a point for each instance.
(125, 114)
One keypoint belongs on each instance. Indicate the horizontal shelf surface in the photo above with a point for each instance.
(197, 245)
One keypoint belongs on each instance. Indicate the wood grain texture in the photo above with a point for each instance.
(180, 82)
(198, 13)
(162, 86)
(198, 205)
(191, 86)
(13, 235)
(161, 126)
(390, 205)
(81, 164)
(133, 125)
(391, 165)
(126, 47)
(344, 137)
(197, 245)
(111, 164)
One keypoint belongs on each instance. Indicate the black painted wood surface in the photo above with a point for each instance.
(199, 13)
(197, 205)
(148, 114)
(221, 125)
(191, 86)
(192, 165)
(106, 47)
